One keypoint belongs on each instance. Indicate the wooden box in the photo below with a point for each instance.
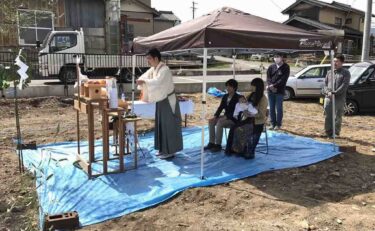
(82, 90)
(93, 91)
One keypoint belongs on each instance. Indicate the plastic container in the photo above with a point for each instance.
(113, 99)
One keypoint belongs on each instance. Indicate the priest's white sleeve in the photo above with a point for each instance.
(160, 85)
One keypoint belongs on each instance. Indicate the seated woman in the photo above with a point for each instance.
(244, 136)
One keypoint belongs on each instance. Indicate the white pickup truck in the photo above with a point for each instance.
(58, 52)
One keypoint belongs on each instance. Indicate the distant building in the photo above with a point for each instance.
(109, 25)
(138, 18)
(317, 15)
(165, 20)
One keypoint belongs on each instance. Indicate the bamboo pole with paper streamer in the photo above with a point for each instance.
(332, 54)
(22, 71)
(203, 108)
(78, 75)
(23, 76)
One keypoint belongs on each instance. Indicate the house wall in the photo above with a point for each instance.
(143, 23)
(79, 14)
(160, 25)
(131, 7)
(356, 21)
(328, 15)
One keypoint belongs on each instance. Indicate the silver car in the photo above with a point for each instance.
(308, 82)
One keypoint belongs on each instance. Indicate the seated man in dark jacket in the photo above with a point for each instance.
(218, 122)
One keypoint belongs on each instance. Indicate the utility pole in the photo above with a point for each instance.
(194, 8)
(366, 32)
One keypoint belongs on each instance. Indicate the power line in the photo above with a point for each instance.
(194, 8)
(274, 3)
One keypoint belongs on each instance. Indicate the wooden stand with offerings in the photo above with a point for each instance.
(87, 106)
(86, 103)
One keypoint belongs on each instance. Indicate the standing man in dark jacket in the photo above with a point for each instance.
(277, 76)
(341, 83)
(218, 122)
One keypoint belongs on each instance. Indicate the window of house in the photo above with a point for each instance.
(348, 21)
(338, 21)
(61, 42)
(362, 20)
(33, 25)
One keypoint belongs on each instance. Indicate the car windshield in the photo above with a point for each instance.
(301, 71)
(44, 44)
(356, 71)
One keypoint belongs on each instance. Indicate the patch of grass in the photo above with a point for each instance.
(219, 65)
(30, 201)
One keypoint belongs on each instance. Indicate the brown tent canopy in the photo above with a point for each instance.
(231, 28)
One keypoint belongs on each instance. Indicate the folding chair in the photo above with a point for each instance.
(266, 133)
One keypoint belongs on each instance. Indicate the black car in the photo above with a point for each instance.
(361, 91)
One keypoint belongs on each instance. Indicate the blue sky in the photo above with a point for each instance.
(270, 9)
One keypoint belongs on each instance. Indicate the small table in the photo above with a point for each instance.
(107, 112)
(146, 110)
(119, 134)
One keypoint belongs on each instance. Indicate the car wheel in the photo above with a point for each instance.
(351, 107)
(289, 94)
(68, 75)
(126, 77)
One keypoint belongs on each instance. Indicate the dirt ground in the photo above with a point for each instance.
(337, 194)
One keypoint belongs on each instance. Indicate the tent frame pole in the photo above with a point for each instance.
(134, 62)
(234, 56)
(203, 109)
(332, 53)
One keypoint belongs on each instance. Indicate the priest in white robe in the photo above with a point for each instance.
(157, 86)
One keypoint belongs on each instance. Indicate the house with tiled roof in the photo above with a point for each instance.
(317, 15)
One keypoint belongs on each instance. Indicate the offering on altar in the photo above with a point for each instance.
(112, 93)
(92, 88)
(122, 102)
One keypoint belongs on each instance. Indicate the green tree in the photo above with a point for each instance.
(9, 16)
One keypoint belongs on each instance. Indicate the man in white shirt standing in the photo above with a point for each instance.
(157, 86)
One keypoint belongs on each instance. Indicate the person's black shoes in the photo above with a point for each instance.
(249, 156)
(228, 152)
(209, 146)
(216, 148)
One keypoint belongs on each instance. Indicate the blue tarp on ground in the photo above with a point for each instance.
(63, 187)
